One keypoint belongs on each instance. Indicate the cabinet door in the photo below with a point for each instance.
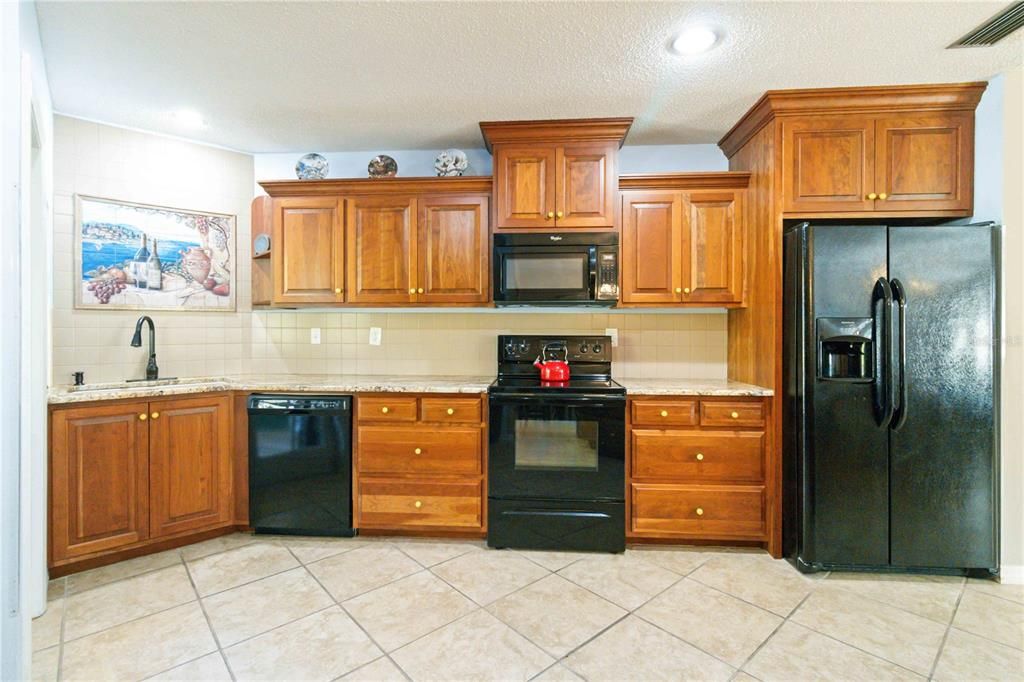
(99, 479)
(381, 249)
(189, 464)
(453, 249)
(524, 186)
(586, 186)
(651, 247)
(828, 164)
(712, 248)
(308, 250)
(924, 162)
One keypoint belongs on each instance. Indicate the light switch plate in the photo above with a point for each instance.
(614, 333)
(375, 336)
(314, 336)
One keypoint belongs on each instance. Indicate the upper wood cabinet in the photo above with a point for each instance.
(683, 246)
(308, 250)
(555, 175)
(99, 479)
(126, 473)
(453, 249)
(829, 162)
(381, 262)
(189, 464)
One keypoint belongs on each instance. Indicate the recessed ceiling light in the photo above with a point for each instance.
(695, 40)
(188, 118)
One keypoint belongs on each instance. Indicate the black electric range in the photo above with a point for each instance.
(556, 474)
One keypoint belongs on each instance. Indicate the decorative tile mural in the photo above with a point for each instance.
(140, 257)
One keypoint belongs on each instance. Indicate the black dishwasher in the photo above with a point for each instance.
(300, 464)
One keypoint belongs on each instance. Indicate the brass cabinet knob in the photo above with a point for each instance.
(679, 290)
(418, 504)
(872, 196)
(700, 511)
(700, 456)
(418, 451)
(686, 290)
(143, 417)
(559, 214)
(664, 413)
(550, 215)
(384, 410)
(337, 290)
(450, 410)
(883, 196)
(155, 415)
(734, 415)
(412, 290)
(420, 290)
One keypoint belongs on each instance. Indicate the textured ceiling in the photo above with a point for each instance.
(291, 76)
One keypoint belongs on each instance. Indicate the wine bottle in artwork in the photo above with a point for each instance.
(137, 267)
(154, 272)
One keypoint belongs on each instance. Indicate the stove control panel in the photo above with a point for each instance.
(514, 348)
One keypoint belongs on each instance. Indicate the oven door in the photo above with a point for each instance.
(544, 274)
(557, 447)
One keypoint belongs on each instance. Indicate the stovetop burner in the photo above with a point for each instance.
(589, 357)
(534, 384)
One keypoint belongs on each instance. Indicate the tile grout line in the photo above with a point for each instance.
(385, 652)
(60, 643)
(209, 623)
(945, 635)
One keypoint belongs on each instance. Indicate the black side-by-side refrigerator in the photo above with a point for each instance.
(890, 431)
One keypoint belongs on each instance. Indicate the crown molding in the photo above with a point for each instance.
(556, 130)
(472, 184)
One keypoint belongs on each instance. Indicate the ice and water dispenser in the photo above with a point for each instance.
(845, 350)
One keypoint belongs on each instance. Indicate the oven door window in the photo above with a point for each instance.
(547, 272)
(556, 445)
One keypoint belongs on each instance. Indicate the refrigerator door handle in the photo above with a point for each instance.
(881, 385)
(900, 297)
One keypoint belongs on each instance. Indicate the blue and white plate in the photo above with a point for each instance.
(311, 167)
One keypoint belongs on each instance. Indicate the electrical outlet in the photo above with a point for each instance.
(375, 336)
(314, 336)
(614, 333)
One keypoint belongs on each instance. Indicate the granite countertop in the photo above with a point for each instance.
(277, 383)
(709, 387)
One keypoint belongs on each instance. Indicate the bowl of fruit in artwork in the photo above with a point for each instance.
(107, 283)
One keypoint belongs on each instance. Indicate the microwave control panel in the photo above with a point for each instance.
(607, 274)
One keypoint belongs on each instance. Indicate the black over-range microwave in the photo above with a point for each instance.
(556, 269)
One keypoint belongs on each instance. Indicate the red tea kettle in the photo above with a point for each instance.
(553, 370)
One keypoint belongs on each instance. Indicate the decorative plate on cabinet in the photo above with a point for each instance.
(382, 166)
(261, 244)
(451, 163)
(311, 167)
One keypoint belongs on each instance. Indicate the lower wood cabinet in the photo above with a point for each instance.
(420, 463)
(698, 469)
(126, 474)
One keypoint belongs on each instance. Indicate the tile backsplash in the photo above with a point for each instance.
(95, 159)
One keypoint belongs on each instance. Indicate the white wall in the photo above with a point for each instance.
(419, 162)
(1013, 329)
(988, 153)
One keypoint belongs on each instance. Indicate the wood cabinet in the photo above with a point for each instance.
(308, 250)
(882, 164)
(555, 175)
(698, 468)
(420, 463)
(683, 247)
(126, 474)
(391, 242)
(381, 235)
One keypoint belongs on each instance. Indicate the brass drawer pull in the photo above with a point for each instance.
(664, 413)
(417, 451)
(735, 415)
(700, 511)
(700, 456)
(451, 410)
(384, 410)
(418, 504)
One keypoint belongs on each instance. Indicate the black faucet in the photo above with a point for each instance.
(152, 371)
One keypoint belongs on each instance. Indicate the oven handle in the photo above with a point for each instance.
(561, 397)
(559, 512)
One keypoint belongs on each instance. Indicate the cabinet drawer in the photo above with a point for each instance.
(698, 511)
(400, 504)
(419, 450)
(664, 413)
(386, 409)
(721, 413)
(450, 410)
(698, 455)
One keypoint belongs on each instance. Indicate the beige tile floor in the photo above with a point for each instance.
(270, 608)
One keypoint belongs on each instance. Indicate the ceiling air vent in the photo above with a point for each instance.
(995, 29)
